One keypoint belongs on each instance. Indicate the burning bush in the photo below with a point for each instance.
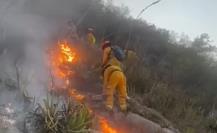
(61, 58)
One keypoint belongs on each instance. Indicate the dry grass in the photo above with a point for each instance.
(170, 101)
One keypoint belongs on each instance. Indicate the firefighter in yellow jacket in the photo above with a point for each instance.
(114, 79)
(91, 38)
(131, 59)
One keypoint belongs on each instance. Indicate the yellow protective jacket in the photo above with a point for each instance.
(108, 58)
(91, 39)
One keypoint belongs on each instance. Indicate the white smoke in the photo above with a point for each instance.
(27, 27)
(23, 37)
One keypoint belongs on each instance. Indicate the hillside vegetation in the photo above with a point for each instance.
(177, 77)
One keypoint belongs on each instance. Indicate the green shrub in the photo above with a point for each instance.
(66, 117)
(211, 124)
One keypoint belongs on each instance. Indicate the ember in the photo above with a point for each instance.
(74, 94)
(105, 126)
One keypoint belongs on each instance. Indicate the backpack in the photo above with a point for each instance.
(118, 52)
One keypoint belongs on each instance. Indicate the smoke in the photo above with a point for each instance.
(22, 38)
(27, 28)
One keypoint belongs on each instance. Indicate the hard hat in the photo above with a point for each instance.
(106, 44)
(90, 29)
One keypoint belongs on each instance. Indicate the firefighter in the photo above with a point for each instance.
(131, 59)
(130, 54)
(91, 40)
(114, 79)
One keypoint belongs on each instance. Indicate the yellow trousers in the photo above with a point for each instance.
(115, 80)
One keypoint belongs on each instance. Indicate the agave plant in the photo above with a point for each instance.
(71, 118)
(50, 116)
(78, 119)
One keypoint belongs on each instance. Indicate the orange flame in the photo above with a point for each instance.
(74, 94)
(105, 127)
(68, 55)
(62, 58)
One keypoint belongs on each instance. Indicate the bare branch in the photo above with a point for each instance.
(143, 10)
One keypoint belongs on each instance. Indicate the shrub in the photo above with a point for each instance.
(175, 105)
(211, 123)
(69, 118)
